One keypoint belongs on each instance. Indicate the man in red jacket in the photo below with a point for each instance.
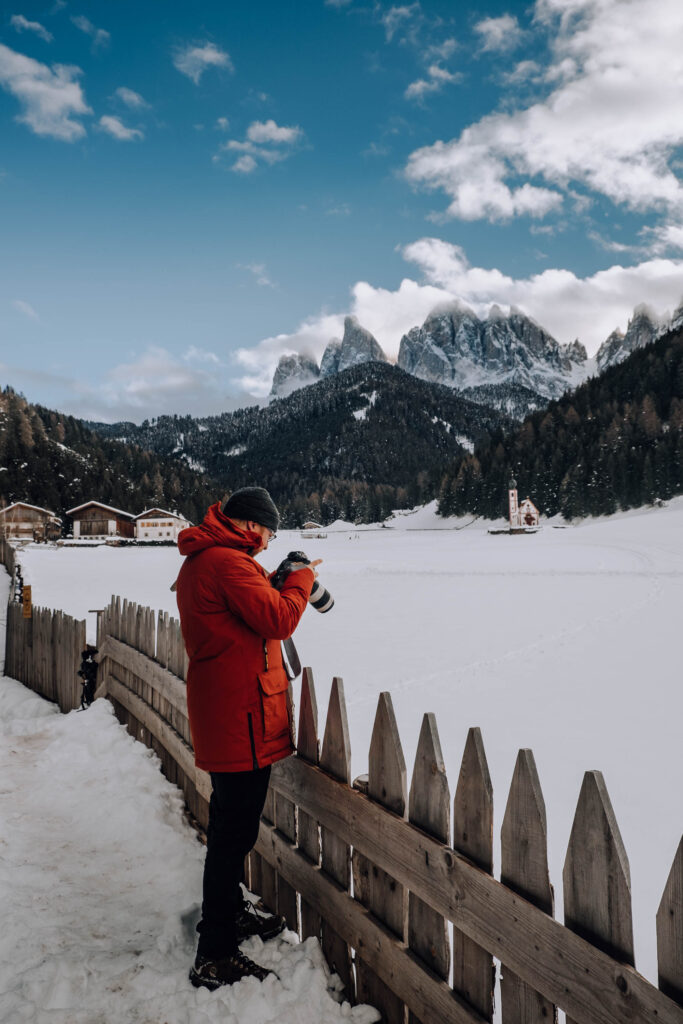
(232, 621)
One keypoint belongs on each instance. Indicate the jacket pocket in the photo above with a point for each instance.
(274, 685)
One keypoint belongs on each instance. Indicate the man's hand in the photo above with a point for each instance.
(312, 566)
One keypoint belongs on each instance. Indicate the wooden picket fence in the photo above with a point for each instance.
(377, 872)
(44, 653)
(401, 897)
(7, 555)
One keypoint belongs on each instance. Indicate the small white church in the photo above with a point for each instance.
(523, 515)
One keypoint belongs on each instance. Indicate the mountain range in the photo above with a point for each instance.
(360, 442)
(506, 361)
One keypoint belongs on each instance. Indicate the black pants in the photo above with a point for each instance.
(237, 799)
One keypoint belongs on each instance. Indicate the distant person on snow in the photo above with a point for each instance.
(232, 621)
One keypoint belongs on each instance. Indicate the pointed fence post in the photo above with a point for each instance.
(597, 878)
(335, 759)
(524, 868)
(378, 891)
(430, 810)
(670, 932)
(308, 748)
(473, 968)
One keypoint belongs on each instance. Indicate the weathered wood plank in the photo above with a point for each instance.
(309, 833)
(596, 876)
(335, 759)
(375, 888)
(170, 686)
(430, 998)
(429, 808)
(670, 932)
(524, 868)
(473, 968)
(566, 969)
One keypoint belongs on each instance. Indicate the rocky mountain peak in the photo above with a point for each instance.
(329, 363)
(358, 346)
(576, 351)
(643, 327)
(292, 372)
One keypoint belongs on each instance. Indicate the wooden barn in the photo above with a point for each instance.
(159, 524)
(95, 521)
(22, 521)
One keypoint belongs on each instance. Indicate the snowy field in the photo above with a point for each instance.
(566, 641)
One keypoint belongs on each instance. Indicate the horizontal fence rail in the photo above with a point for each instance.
(396, 881)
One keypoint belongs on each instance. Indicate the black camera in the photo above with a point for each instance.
(320, 598)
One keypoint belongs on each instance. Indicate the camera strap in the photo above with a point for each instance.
(290, 658)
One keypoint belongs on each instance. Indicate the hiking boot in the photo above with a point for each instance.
(250, 921)
(211, 974)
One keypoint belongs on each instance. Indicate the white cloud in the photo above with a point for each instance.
(499, 34)
(244, 164)
(194, 60)
(116, 128)
(222, 124)
(437, 78)
(269, 131)
(338, 210)
(260, 273)
(273, 140)
(201, 355)
(612, 121)
(148, 384)
(396, 18)
(51, 97)
(99, 36)
(27, 309)
(131, 99)
(337, 3)
(526, 70)
(20, 23)
(159, 382)
(441, 51)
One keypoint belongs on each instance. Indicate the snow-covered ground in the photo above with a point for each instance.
(566, 641)
(100, 875)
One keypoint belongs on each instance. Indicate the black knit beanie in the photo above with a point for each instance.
(253, 504)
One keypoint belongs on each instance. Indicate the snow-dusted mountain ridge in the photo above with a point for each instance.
(498, 355)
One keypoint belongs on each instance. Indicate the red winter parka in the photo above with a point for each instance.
(233, 621)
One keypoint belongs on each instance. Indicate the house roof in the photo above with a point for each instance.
(528, 501)
(163, 511)
(25, 504)
(108, 508)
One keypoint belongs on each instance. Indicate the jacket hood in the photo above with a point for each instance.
(216, 531)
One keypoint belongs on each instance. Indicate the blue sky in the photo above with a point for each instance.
(188, 191)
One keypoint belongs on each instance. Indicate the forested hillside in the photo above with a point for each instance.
(355, 445)
(56, 462)
(614, 443)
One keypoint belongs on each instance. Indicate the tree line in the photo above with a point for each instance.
(614, 443)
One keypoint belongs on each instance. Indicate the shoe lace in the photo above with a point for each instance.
(246, 964)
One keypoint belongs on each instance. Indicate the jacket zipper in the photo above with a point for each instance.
(251, 740)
